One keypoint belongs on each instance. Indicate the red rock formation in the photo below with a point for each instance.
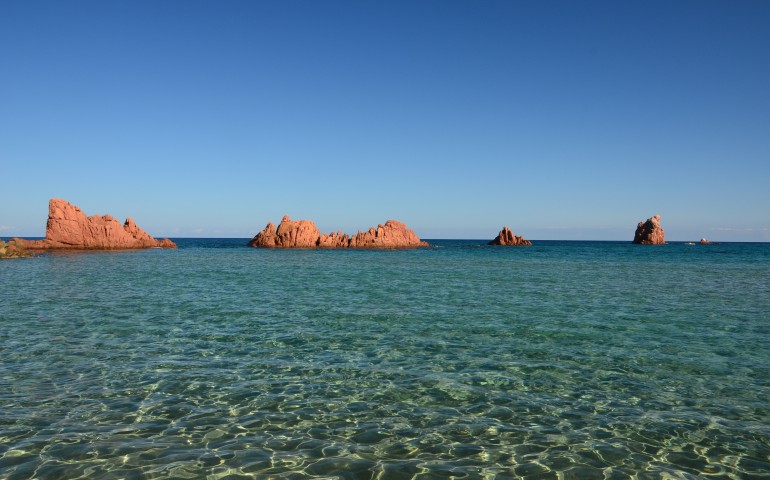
(304, 234)
(69, 227)
(266, 238)
(506, 237)
(393, 234)
(289, 234)
(650, 232)
(334, 240)
(296, 233)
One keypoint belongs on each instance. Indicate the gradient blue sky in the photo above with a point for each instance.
(560, 119)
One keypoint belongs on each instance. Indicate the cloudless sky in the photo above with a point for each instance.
(560, 119)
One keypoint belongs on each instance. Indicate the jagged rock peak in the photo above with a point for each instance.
(69, 227)
(506, 237)
(650, 232)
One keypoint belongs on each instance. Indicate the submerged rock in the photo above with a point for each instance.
(650, 232)
(69, 227)
(15, 248)
(304, 234)
(506, 237)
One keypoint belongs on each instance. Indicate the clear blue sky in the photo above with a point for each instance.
(560, 119)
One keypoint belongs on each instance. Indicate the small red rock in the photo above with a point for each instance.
(650, 232)
(506, 237)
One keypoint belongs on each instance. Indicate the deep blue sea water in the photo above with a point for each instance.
(560, 360)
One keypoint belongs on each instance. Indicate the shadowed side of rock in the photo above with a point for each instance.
(506, 237)
(650, 232)
(69, 227)
(304, 234)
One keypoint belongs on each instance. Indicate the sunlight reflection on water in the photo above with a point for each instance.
(561, 360)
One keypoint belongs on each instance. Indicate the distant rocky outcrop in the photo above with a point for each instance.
(650, 232)
(506, 237)
(705, 241)
(304, 234)
(393, 234)
(69, 227)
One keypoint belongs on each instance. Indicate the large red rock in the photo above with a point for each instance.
(69, 227)
(304, 234)
(650, 232)
(393, 234)
(506, 237)
(289, 234)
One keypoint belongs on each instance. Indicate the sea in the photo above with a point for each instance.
(563, 360)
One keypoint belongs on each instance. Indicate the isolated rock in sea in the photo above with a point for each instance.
(69, 227)
(304, 234)
(506, 237)
(705, 241)
(650, 232)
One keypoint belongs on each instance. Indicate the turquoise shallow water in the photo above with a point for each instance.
(561, 360)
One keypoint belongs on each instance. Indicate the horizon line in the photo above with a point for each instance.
(483, 240)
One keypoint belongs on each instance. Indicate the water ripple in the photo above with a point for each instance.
(584, 360)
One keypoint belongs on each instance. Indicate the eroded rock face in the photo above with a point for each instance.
(650, 232)
(289, 234)
(506, 237)
(69, 227)
(393, 234)
(334, 240)
(304, 234)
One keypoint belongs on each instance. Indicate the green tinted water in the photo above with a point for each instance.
(561, 360)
